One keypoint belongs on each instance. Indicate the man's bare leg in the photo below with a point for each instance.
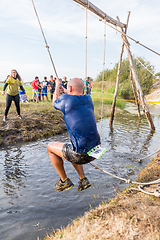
(55, 154)
(79, 169)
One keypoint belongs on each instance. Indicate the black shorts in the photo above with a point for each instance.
(74, 157)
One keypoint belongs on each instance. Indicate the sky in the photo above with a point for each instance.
(22, 45)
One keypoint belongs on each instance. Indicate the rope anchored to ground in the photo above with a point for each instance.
(141, 185)
(140, 160)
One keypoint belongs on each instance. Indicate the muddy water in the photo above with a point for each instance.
(29, 206)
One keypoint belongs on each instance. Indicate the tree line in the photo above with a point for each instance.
(146, 79)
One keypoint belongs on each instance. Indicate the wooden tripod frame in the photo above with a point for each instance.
(138, 94)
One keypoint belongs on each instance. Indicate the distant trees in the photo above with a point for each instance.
(125, 89)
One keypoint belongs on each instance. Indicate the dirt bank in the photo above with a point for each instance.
(39, 121)
(130, 215)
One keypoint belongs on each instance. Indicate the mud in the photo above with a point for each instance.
(31, 128)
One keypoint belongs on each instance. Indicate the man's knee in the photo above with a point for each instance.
(50, 146)
(55, 147)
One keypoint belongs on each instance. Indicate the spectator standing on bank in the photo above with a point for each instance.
(45, 84)
(86, 85)
(13, 83)
(64, 82)
(35, 89)
(52, 86)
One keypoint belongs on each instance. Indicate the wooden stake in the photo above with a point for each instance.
(118, 75)
(138, 86)
(117, 86)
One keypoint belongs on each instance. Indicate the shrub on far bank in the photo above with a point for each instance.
(125, 88)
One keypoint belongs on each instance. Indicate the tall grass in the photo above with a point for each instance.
(108, 97)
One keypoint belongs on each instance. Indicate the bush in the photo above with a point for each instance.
(125, 88)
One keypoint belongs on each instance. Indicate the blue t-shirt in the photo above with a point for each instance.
(44, 86)
(78, 113)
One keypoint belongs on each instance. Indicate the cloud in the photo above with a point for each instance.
(63, 23)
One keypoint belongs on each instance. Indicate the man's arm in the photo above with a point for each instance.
(57, 90)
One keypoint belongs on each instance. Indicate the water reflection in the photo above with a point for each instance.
(125, 138)
(14, 171)
(147, 142)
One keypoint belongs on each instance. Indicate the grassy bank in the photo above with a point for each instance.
(131, 215)
(41, 119)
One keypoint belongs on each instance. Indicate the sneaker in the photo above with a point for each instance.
(5, 118)
(83, 184)
(63, 185)
(20, 117)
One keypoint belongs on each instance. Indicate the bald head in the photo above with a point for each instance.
(75, 86)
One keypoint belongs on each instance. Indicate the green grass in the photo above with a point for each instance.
(107, 99)
(28, 91)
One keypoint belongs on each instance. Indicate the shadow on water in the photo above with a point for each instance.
(29, 206)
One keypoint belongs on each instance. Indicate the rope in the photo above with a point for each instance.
(139, 60)
(104, 57)
(143, 65)
(121, 32)
(45, 39)
(124, 179)
(86, 39)
(140, 160)
(141, 185)
(156, 193)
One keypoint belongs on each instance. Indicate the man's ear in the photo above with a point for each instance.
(70, 89)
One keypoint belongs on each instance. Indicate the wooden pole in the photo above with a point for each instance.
(118, 75)
(100, 13)
(135, 95)
(116, 88)
(138, 86)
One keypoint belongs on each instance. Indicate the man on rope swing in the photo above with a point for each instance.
(78, 113)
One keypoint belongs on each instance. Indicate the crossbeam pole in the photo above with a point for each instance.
(100, 13)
